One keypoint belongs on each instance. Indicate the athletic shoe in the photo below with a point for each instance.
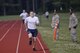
(34, 49)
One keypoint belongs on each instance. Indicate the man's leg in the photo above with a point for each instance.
(30, 38)
(34, 43)
(23, 21)
(34, 39)
(57, 34)
(74, 35)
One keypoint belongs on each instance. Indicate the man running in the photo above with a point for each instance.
(23, 15)
(47, 14)
(31, 22)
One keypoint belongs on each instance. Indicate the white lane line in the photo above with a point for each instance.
(7, 32)
(41, 45)
(19, 39)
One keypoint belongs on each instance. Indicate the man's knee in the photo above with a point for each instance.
(34, 38)
(30, 35)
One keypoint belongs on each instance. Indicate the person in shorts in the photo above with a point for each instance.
(31, 23)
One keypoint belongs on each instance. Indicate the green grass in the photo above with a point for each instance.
(9, 17)
(64, 44)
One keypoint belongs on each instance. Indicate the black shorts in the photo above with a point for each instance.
(47, 16)
(34, 32)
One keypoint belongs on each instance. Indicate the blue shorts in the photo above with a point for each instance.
(34, 32)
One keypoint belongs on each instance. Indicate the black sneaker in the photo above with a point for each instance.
(30, 42)
(34, 49)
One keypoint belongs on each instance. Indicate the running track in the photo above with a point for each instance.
(14, 39)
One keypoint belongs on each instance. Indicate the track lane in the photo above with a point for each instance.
(41, 46)
(6, 28)
(9, 43)
(24, 46)
(2, 23)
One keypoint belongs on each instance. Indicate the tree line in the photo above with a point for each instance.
(16, 6)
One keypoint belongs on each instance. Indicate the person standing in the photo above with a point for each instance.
(31, 23)
(73, 22)
(55, 20)
(23, 15)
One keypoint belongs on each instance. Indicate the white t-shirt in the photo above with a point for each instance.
(46, 13)
(31, 22)
(23, 15)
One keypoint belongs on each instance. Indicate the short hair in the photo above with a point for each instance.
(71, 11)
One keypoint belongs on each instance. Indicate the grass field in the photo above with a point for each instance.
(9, 17)
(64, 44)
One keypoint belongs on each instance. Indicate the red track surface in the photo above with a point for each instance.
(14, 39)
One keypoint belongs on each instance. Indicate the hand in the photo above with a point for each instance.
(26, 29)
(37, 23)
(75, 27)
